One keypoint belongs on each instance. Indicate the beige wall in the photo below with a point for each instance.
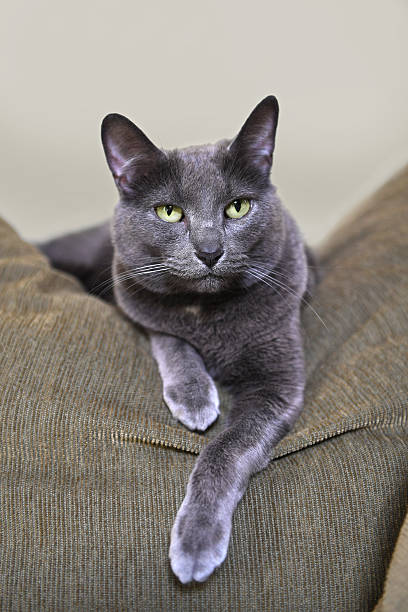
(189, 72)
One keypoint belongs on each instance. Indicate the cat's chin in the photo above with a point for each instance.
(209, 284)
(213, 283)
(205, 283)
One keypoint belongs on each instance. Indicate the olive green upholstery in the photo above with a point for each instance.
(93, 466)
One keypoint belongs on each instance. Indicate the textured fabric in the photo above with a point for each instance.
(94, 468)
(395, 595)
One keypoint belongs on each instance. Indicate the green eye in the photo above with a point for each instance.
(169, 213)
(237, 208)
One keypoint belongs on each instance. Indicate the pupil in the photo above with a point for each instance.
(237, 205)
(169, 210)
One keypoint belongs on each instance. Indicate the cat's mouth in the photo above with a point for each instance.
(202, 281)
(209, 281)
(196, 275)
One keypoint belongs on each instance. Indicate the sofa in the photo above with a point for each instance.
(94, 467)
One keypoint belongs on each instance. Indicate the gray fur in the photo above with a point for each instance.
(237, 321)
(189, 392)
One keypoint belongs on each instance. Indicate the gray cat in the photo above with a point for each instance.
(208, 261)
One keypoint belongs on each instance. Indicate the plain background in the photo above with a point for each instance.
(190, 72)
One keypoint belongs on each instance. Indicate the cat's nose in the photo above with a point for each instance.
(209, 255)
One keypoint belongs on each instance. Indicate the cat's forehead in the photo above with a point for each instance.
(200, 162)
(209, 173)
(204, 153)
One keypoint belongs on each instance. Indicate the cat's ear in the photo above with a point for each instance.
(129, 152)
(255, 142)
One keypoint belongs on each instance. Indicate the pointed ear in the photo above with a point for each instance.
(255, 142)
(129, 153)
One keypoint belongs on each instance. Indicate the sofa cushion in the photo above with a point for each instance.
(94, 467)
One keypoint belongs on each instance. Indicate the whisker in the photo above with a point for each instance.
(118, 279)
(273, 272)
(290, 290)
(141, 287)
(269, 269)
(129, 273)
(262, 279)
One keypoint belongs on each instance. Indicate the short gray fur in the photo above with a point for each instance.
(236, 321)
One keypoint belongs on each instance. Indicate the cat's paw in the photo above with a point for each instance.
(199, 542)
(194, 403)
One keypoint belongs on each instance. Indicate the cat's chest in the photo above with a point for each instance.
(218, 331)
(217, 334)
(204, 327)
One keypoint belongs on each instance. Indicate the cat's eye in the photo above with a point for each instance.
(169, 213)
(237, 208)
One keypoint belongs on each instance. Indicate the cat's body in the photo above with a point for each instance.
(220, 292)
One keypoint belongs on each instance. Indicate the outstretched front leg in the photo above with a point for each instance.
(266, 404)
(188, 389)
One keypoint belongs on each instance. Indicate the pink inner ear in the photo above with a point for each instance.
(263, 139)
(117, 165)
(116, 160)
(122, 181)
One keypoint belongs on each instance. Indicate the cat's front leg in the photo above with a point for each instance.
(263, 412)
(188, 389)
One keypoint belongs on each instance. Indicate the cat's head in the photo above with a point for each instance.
(195, 219)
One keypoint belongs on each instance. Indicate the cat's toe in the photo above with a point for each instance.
(182, 566)
(198, 420)
(197, 566)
